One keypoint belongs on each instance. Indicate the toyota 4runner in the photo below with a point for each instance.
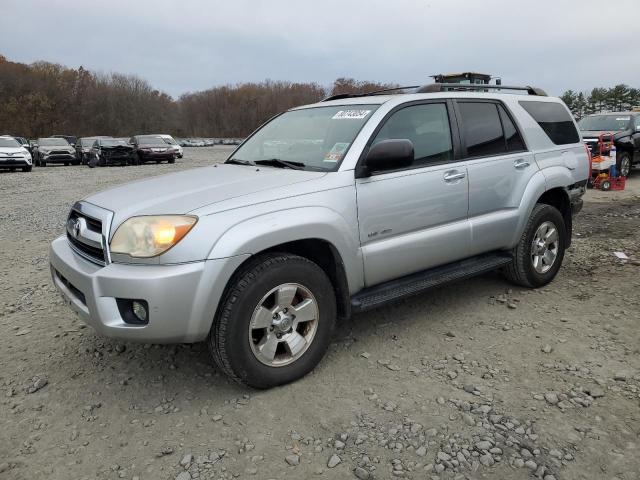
(327, 210)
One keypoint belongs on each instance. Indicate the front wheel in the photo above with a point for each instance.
(27, 168)
(623, 164)
(275, 321)
(538, 255)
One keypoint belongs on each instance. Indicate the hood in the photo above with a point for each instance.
(183, 192)
(48, 148)
(13, 150)
(597, 133)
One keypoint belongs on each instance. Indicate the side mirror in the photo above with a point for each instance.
(389, 154)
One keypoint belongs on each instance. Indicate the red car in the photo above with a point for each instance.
(151, 148)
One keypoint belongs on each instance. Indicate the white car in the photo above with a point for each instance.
(13, 155)
(171, 141)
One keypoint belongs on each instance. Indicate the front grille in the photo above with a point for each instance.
(85, 235)
(59, 152)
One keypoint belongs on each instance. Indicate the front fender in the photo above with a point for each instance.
(268, 230)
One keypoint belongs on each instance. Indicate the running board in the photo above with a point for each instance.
(413, 284)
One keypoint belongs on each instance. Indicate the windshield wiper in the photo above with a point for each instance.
(237, 161)
(276, 162)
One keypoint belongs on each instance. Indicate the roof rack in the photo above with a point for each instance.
(442, 87)
(340, 96)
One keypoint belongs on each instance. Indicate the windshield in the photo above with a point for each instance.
(605, 122)
(8, 142)
(53, 142)
(112, 142)
(150, 140)
(317, 138)
(169, 140)
(87, 141)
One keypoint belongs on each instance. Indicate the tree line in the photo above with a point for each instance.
(43, 99)
(615, 99)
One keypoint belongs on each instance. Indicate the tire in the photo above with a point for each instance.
(66, 164)
(605, 186)
(27, 168)
(172, 160)
(43, 163)
(236, 351)
(522, 270)
(624, 164)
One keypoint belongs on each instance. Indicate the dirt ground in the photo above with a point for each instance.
(479, 379)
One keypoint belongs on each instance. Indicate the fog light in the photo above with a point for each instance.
(139, 310)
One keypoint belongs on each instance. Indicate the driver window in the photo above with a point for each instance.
(427, 126)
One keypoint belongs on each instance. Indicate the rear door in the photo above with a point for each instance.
(415, 218)
(499, 168)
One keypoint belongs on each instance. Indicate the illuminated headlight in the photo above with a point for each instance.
(149, 236)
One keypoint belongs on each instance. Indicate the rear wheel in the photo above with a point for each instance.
(538, 255)
(623, 164)
(275, 321)
(27, 168)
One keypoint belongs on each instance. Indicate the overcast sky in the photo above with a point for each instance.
(189, 45)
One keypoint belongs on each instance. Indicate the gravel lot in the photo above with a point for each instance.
(476, 380)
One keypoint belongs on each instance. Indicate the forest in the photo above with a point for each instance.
(43, 99)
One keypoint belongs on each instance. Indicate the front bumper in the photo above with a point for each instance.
(154, 156)
(14, 163)
(59, 158)
(182, 298)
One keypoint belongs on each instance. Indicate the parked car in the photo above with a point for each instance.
(83, 148)
(53, 150)
(171, 141)
(69, 138)
(626, 126)
(152, 148)
(110, 151)
(14, 155)
(328, 209)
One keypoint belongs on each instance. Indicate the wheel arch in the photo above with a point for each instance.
(559, 198)
(321, 252)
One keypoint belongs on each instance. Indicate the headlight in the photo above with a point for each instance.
(149, 236)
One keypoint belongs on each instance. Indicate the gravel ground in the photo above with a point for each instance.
(475, 380)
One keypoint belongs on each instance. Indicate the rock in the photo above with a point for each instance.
(452, 375)
(186, 460)
(421, 451)
(4, 467)
(392, 367)
(443, 457)
(216, 418)
(38, 383)
(365, 355)
(450, 334)
(469, 388)
(620, 377)
(292, 459)
(512, 305)
(486, 460)
(547, 348)
(334, 460)
(483, 445)
(551, 398)
(184, 476)
(339, 445)
(530, 464)
(596, 392)
(469, 420)
(459, 356)
(120, 348)
(361, 473)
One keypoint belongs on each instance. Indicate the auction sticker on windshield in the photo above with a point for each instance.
(351, 114)
(336, 153)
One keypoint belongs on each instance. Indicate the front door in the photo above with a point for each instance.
(415, 218)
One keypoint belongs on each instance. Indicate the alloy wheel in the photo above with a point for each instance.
(544, 247)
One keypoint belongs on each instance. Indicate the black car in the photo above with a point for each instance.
(53, 150)
(83, 147)
(152, 148)
(626, 129)
(110, 151)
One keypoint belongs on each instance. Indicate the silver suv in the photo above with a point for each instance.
(327, 210)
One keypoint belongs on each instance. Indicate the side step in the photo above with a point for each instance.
(413, 284)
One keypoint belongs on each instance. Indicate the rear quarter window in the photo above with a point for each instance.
(554, 119)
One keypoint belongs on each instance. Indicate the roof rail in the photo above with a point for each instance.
(339, 96)
(442, 87)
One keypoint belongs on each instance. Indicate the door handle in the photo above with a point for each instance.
(521, 163)
(453, 175)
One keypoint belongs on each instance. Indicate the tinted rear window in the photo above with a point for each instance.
(554, 119)
(482, 129)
